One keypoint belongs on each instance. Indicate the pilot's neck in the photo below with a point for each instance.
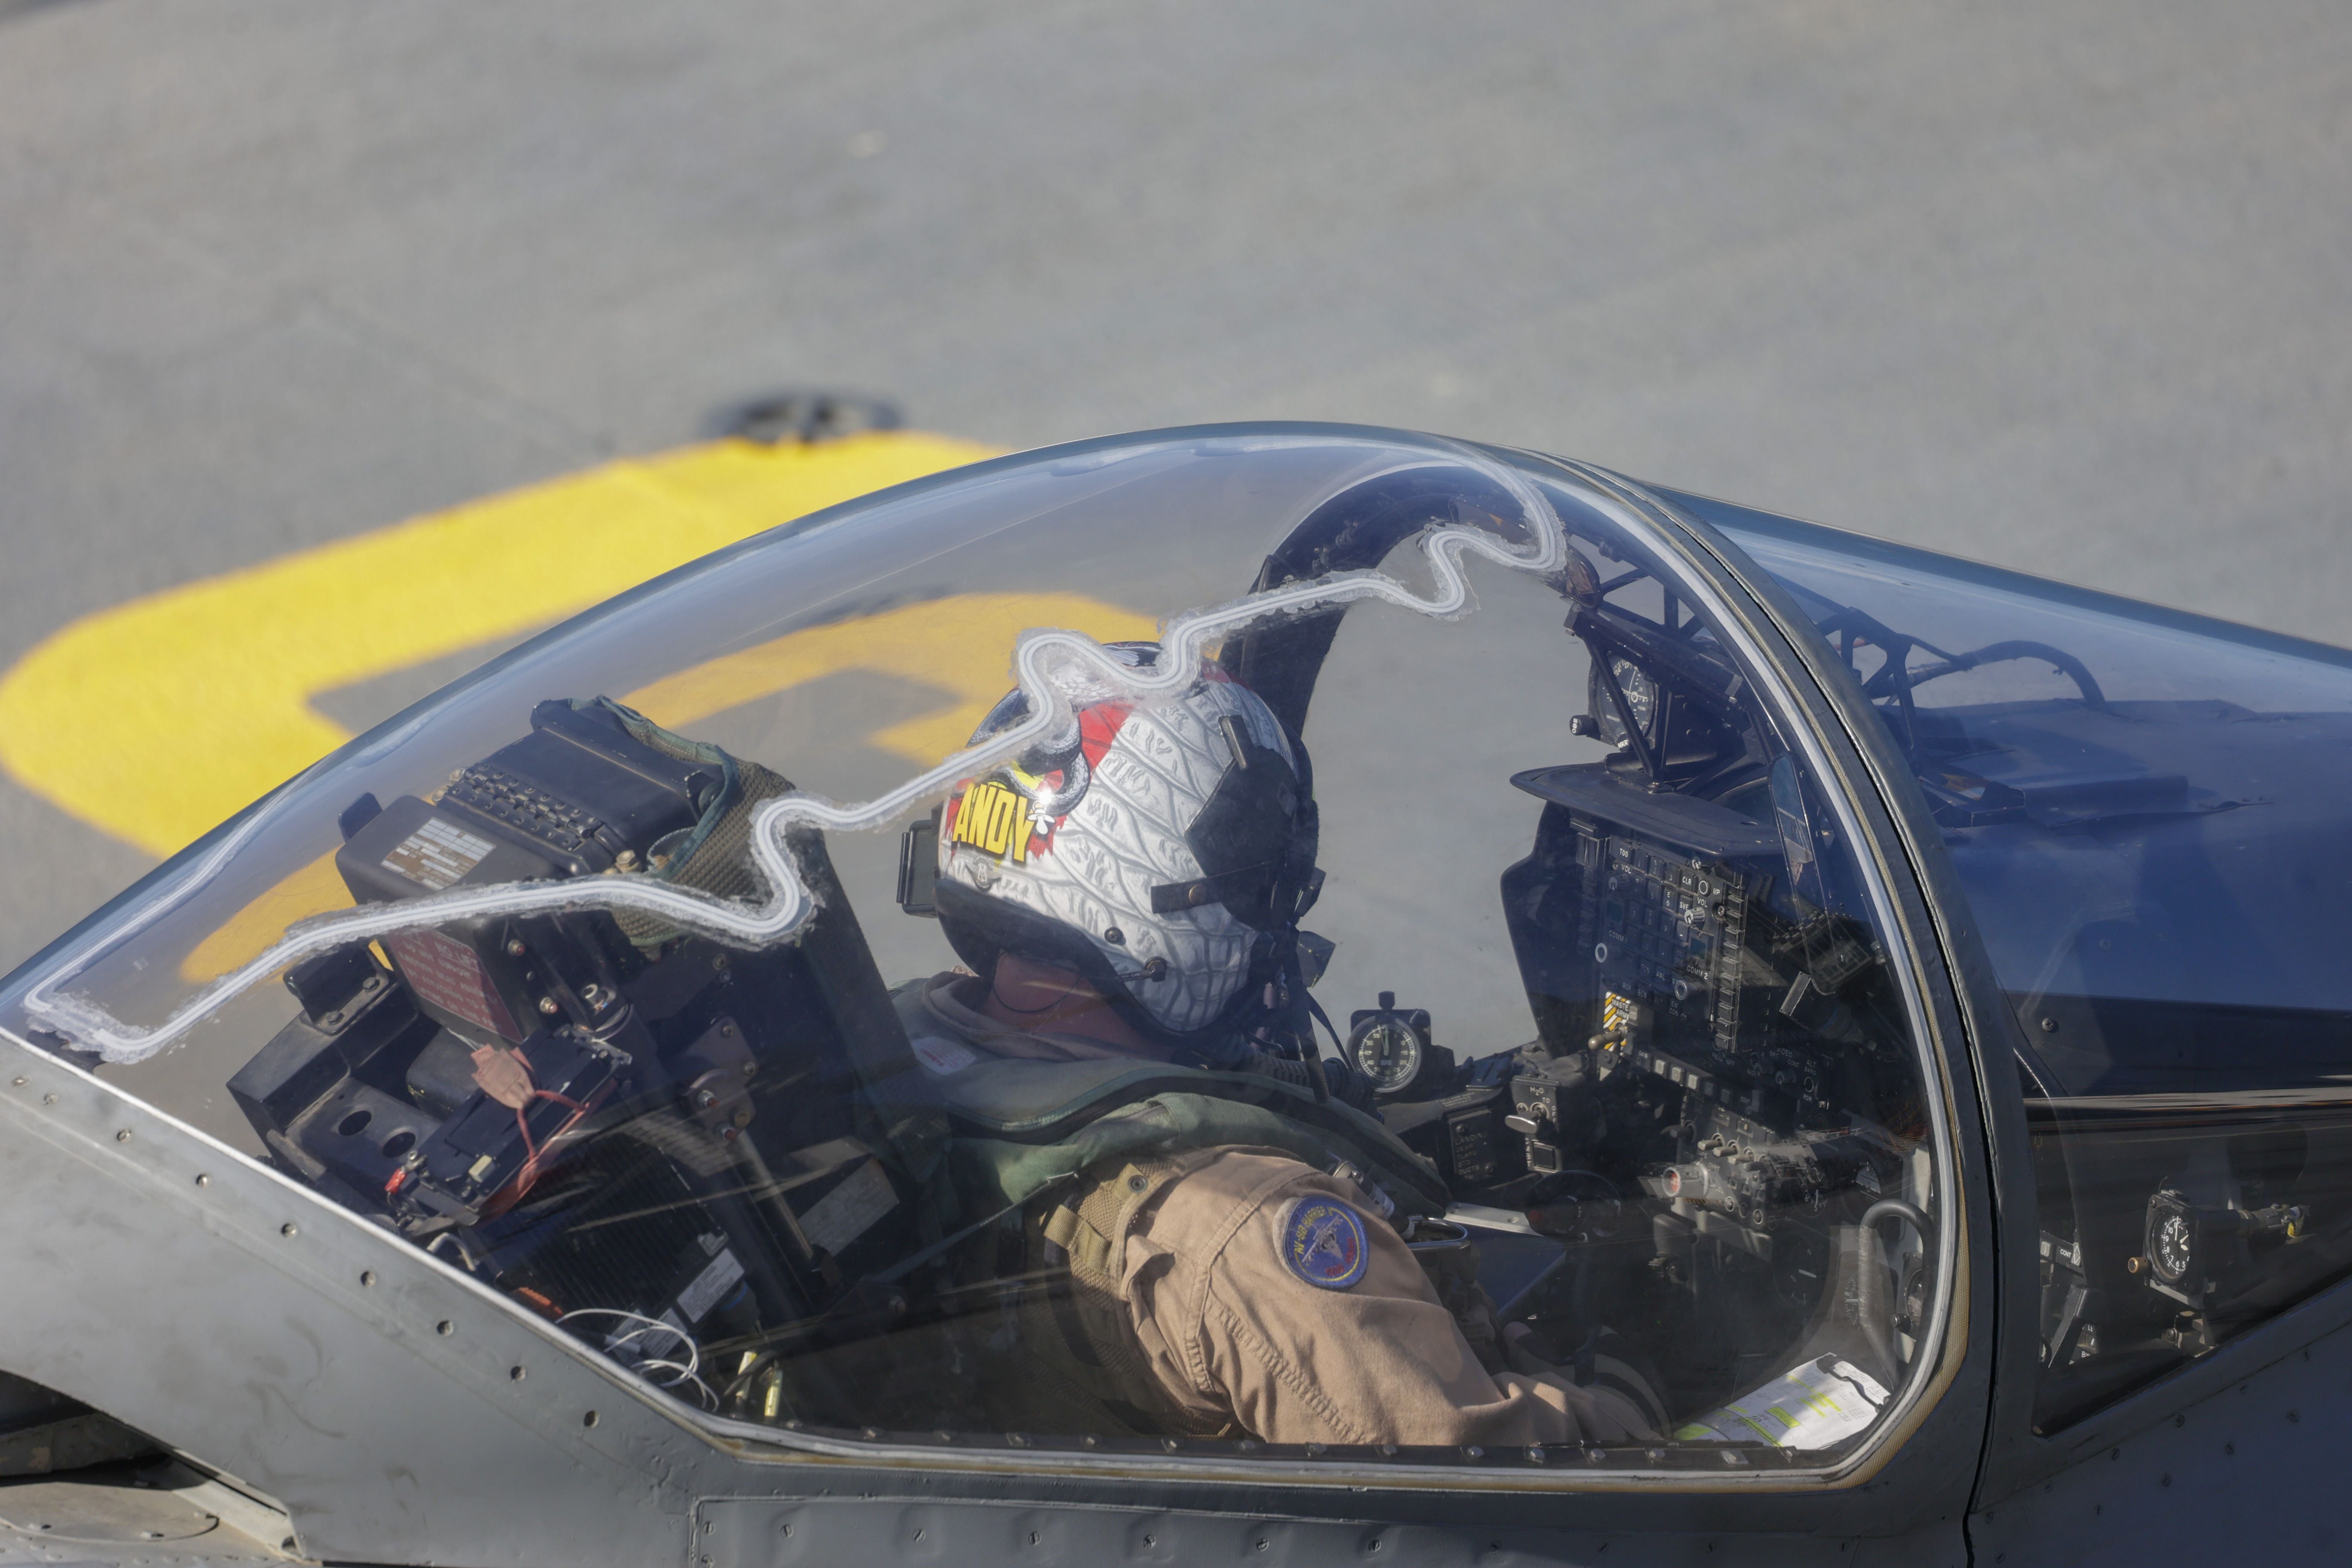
(1045, 998)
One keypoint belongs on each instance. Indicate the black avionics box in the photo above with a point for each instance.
(576, 796)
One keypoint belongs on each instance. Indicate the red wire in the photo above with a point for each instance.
(529, 1174)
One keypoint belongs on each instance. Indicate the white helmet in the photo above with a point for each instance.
(1163, 849)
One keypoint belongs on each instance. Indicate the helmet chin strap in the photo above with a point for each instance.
(1303, 1009)
(1292, 1009)
(1280, 1017)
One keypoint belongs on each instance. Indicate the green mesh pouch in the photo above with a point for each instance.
(714, 855)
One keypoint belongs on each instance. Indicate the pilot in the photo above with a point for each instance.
(1224, 1235)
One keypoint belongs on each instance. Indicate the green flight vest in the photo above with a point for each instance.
(1072, 1153)
(1017, 1125)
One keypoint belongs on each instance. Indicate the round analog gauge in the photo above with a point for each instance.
(1641, 691)
(2172, 1248)
(1388, 1053)
(1641, 696)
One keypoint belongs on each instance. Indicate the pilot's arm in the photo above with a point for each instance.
(1263, 1291)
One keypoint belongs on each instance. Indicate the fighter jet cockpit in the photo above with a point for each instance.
(1293, 945)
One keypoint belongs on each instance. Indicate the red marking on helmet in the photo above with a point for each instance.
(1099, 726)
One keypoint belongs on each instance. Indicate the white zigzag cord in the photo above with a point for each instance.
(1037, 656)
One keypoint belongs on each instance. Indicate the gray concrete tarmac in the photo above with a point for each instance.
(2059, 284)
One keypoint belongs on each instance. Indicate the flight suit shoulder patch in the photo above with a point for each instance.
(1323, 1241)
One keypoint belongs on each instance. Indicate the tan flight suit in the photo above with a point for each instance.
(1227, 1327)
(1180, 1264)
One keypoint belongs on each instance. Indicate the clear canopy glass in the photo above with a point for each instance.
(2147, 813)
(1309, 941)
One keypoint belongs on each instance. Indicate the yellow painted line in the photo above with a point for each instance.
(156, 718)
(963, 647)
(312, 891)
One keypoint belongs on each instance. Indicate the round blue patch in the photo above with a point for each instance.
(1323, 1242)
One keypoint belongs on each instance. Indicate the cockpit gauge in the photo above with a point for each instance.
(1389, 1055)
(2171, 1240)
(1640, 693)
(1391, 1048)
